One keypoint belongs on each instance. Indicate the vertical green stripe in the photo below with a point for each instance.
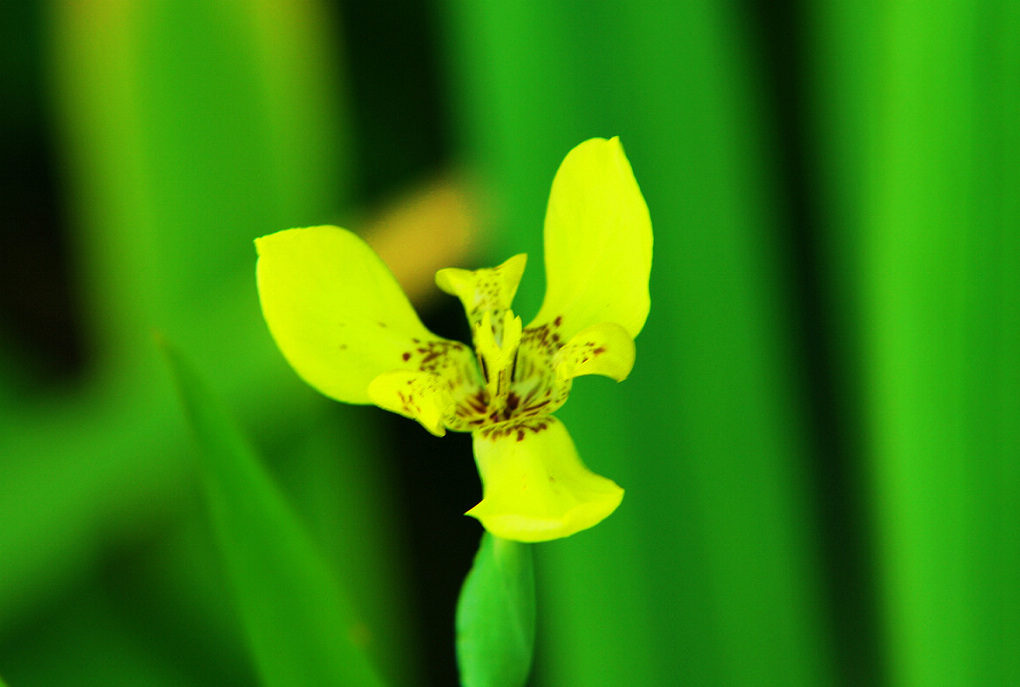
(1009, 335)
(920, 196)
(993, 401)
(919, 110)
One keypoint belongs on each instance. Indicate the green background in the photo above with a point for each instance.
(820, 438)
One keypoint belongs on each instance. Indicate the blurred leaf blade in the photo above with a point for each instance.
(296, 617)
(194, 111)
(191, 128)
(496, 616)
(921, 175)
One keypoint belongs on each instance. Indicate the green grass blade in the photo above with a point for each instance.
(296, 617)
(496, 616)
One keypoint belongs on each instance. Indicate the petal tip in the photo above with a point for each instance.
(514, 268)
(297, 234)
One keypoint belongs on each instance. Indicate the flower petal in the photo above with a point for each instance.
(338, 315)
(535, 486)
(598, 242)
(486, 290)
(421, 396)
(602, 349)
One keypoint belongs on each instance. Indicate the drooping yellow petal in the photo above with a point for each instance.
(338, 315)
(421, 396)
(602, 349)
(598, 242)
(535, 487)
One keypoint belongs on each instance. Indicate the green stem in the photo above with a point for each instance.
(496, 616)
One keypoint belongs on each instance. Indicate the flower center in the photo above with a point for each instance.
(516, 364)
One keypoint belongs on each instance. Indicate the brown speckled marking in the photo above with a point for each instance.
(512, 401)
(451, 362)
(531, 391)
(586, 351)
(518, 429)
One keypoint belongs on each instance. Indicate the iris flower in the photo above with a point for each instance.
(344, 324)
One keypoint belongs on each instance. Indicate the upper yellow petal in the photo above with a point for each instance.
(336, 312)
(535, 487)
(598, 242)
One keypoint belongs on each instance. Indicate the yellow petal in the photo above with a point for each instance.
(336, 312)
(603, 349)
(598, 242)
(486, 290)
(535, 487)
(421, 396)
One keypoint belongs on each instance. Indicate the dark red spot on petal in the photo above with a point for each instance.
(406, 357)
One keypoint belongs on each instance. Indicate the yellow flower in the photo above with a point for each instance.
(346, 327)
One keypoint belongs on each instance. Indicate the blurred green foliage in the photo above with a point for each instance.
(819, 441)
(298, 622)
